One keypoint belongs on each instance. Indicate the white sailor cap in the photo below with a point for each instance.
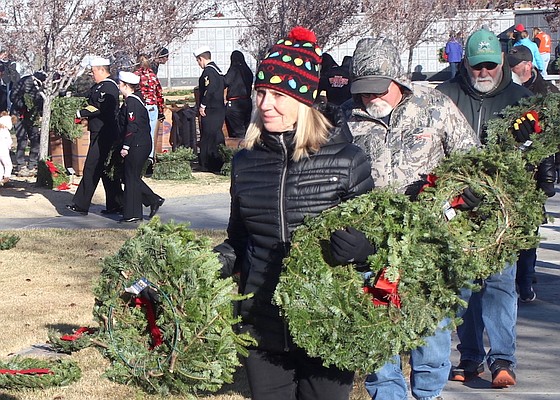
(129, 77)
(99, 61)
(200, 50)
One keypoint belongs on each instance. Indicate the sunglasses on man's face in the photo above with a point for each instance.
(485, 65)
(373, 95)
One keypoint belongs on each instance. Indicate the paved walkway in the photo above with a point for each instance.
(209, 211)
(538, 327)
(538, 332)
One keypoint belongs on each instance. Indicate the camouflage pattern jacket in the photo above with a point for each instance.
(424, 127)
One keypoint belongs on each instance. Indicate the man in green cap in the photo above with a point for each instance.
(481, 90)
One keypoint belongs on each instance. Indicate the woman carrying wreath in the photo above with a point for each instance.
(294, 165)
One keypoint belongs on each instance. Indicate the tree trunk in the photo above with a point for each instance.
(45, 128)
(409, 62)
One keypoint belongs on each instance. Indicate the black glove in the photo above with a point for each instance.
(525, 126)
(350, 246)
(467, 201)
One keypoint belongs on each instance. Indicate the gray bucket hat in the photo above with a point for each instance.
(376, 62)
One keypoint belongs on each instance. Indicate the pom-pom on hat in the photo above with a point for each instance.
(292, 65)
(129, 77)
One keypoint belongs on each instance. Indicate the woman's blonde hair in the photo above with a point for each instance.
(312, 131)
(143, 61)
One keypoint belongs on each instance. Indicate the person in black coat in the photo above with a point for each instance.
(293, 165)
(239, 84)
(101, 113)
(212, 111)
(134, 124)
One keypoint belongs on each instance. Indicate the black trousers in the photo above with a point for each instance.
(211, 136)
(26, 134)
(294, 375)
(94, 166)
(136, 192)
(238, 116)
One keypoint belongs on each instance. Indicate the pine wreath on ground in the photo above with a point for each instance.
(19, 372)
(175, 165)
(189, 345)
(328, 313)
(510, 212)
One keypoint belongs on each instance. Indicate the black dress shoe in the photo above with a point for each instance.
(76, 209)
(116, 210)
(155, 207)
(131, 219)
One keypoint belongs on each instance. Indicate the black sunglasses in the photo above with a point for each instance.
(369, 95)
(487, 65)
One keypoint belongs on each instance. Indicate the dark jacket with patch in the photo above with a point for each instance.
(270, 196)
(479, 107)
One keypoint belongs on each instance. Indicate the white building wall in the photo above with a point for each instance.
(222, 36)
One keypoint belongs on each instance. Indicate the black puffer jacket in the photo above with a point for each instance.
(270, 196)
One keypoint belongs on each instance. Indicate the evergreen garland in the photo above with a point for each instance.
(227, 154)
(328, 313)
(8, 241)
(60, 373)
(194, 313)
(63, 113)
(174, 165)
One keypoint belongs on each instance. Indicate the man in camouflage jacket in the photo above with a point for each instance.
(406, 129)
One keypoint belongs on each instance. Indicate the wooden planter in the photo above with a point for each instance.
(163, 130)
(80, 148)
(56, 149)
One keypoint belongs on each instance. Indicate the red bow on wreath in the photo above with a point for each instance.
(52, 168)
(383, 291)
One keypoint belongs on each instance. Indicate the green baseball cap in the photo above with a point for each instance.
(483, 46)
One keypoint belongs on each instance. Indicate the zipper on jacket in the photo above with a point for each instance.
(283, 226)
(321, 180)
(281, 202)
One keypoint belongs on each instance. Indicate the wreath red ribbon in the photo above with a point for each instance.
(383, 291)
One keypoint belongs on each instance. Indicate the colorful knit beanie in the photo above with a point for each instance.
(292, 65)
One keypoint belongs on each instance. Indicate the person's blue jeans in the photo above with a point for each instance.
(493, 308)
(430, 368)
(153, 115)
(453, 68)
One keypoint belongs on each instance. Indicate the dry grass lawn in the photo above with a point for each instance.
(46, 284)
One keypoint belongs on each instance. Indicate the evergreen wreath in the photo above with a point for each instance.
(19, 372)
(51, 175)
(80, 339)
(175, 165)
(328, 312)
(543, 144)
(190, 345)
(507, 219)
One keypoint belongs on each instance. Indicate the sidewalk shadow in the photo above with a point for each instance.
(24, 189)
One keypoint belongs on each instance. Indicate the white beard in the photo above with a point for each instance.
(379, 108)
